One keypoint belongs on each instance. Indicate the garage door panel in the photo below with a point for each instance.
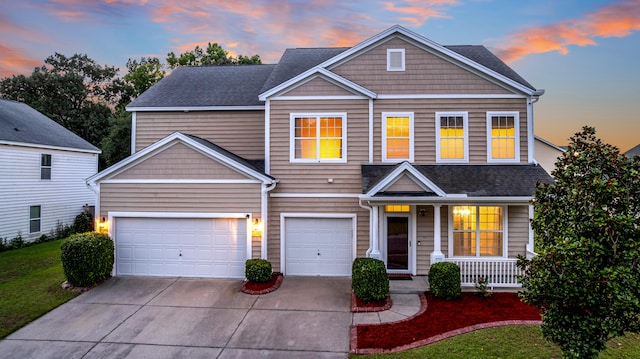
(181, 247)
(332, 238)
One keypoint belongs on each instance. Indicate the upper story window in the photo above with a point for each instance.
(35, 213)
(318, 137)
(395, 60)
(452, 137)
(397, 136)
(477, 231)
(503, 137)
(45, 166)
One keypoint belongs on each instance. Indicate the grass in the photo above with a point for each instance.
(517, 341)
(30, 280)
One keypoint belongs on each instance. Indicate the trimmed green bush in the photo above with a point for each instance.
(444, 280)
(258, 270)
(369, 279)
(83, 222)
(87, 258)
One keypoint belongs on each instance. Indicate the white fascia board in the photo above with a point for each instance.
(48, 147)
(322, 73)
(397, 172)
(163, 143)
(448, 96)
(451, 199)
(549, 144)
(195, 108)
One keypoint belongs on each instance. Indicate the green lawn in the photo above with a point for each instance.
(517, 341)
(30, 280)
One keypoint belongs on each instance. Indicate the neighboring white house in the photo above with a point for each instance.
(43, 167)
(547, 154)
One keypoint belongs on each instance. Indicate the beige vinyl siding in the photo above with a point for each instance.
(241, 132)
(404, 184)
(518, 230)
(425, 73)
(314, 205)
(425, 126)
(318, 87)
(180, 162)
(313, 177)
(424, 235)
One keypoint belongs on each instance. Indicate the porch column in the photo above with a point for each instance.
(436, 255)
(374, 244)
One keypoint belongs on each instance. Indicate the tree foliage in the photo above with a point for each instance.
(139, 77)
(214, 54)
(585, 278)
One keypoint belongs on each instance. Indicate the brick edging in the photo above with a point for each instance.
(433, 339)
(275, 286)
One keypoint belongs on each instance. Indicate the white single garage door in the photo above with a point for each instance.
(185, 247)
(318, 246)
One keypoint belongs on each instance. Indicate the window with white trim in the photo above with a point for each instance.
(45, 166)
(452, 137)
(503, 137)
(477, 231)
(395, 60)
(318, 137)
(35, 214)
(397, 136)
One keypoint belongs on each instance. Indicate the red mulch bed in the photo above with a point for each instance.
(443, 316)
(359, 306)
(263, 288)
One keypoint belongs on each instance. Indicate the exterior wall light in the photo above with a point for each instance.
(257, 227)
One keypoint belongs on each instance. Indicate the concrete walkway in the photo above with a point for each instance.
(405, 302)
(133, 317)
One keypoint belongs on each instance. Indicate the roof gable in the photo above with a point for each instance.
(204, 147)
(21, 124)
(407, 171)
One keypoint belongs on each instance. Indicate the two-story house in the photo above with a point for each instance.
(43, 172)
(397, 148)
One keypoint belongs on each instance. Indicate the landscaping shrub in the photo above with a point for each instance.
(444, 280)
(87, 258)
(83, 222)
(258, 270)
(369, 279)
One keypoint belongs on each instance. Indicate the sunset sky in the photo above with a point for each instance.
(584, 53)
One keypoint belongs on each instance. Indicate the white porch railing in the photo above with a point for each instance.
(500, 272)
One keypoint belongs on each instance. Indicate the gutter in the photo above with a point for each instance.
(264, 213)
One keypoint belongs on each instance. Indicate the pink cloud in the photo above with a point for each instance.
(615, 20)
(14, 62)
(416, 12)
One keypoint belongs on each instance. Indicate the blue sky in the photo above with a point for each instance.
(584, 53)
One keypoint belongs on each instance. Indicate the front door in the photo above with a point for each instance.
(398, 243)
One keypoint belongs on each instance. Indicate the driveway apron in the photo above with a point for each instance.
(140, 317)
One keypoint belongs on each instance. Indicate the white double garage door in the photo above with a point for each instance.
(219, 247)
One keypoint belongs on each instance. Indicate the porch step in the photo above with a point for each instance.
(417, 285)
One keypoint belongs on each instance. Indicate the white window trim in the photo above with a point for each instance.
(505, 232)
(292, 142)
(403, 57)
(465, 119)
(516, 128)
(39, 219)
(50, 167)
(384, 136)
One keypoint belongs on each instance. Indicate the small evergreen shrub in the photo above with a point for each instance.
(369, 279)
(83, 223)
(87, 258)
(258, 270)
(444, 280)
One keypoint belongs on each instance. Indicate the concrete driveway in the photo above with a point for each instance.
(142, 317)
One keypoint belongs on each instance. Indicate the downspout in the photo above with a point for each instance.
(95, 188)
(264, 213)
(133, 131)
(373, 251)
(530, 128)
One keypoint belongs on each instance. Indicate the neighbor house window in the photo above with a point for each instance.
(477, 231)
(397, 208)
(45, 167)
(502, 134)
(395, 60)
(452, 135)
(397, 136)
(318, 137)
(34, 219)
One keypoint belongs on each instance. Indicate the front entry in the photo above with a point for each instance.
(398, 243)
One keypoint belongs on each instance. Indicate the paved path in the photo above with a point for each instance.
(134, 317)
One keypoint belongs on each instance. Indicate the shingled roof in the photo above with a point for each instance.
(20, 123)
(472, 180)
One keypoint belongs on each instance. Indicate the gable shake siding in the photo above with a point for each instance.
(425, 127)
(180, 162)
(425, 73)
(241, 132)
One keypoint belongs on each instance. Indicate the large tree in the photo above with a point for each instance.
(214, 54)
(586, 276)
(74, 91)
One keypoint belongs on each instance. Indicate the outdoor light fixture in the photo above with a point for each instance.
(256, 228)
(422, 212)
